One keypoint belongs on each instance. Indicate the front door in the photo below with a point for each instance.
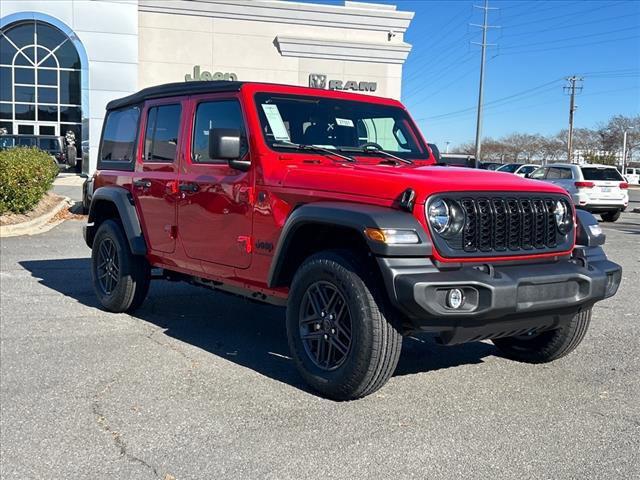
(156, 177)
(214, 212)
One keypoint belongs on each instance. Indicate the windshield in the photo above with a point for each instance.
(592, 173)
(510, 168)
(334, 124)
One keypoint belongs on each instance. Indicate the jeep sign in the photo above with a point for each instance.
(198, 75)
(320, 81)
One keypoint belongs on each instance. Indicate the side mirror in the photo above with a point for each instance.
(436, 152)
(224, 143)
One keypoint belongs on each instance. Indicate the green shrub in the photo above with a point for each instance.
(26, 174)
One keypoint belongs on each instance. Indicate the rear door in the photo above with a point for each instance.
(606, 182)
(214, 212)
(155, 179)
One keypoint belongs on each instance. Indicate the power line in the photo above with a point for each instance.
(571, 14)
(600, 42)
(499, 100)
(570, 38)
(562, 26)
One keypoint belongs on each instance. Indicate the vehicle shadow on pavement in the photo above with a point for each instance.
(238, 330)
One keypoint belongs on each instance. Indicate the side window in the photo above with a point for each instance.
(559, 173)
(161, 138)
(119, 137)
(216, 114)
(537, 174)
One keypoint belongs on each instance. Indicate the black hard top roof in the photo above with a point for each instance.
(172, 89)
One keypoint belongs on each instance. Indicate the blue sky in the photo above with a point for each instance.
(539, 43)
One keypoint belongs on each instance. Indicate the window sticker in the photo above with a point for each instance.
(275, 122)
(344, 122)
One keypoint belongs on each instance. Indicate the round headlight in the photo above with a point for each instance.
(563, 216)
(445, 217)
(439, 215)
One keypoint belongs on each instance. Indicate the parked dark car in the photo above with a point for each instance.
(458, 160)
(489, 165)
(53, 145)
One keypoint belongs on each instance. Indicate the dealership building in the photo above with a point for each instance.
(62, 61)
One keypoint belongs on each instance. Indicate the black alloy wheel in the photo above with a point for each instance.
(325, 325)
(108, 266)
(120, 279)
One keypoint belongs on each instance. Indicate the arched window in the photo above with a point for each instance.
(40, 84)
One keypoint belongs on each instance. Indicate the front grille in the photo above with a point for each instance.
(506, 224)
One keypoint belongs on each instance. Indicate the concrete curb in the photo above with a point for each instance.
(37, 225)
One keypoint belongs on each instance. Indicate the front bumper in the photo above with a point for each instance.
(502, 300)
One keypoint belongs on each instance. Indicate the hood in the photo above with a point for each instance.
(388, 181)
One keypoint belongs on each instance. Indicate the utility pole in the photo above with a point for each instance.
(571, 89)
(485, 26)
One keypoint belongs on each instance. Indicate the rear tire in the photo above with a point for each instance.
(610, 216)
(546, 346)
(348, 349)
(120, 279)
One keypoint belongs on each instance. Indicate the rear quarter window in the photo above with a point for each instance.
(606, 174)
(118, 144)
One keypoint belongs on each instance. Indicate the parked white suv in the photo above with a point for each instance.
(520, 169)
(633, 175)
(595, 188)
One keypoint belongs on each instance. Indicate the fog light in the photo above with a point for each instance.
(455, 298)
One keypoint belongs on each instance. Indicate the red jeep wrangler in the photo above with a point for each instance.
(333, 204)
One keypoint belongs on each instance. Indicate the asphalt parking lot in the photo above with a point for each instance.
(199, 385)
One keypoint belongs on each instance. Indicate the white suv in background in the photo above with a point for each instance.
(633, 175)
(595, 188)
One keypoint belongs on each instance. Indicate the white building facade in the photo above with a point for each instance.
(62, 61)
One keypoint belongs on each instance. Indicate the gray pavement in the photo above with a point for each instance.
(199, 385)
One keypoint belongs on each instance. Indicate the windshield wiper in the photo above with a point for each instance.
(373, 148)
(314, 148)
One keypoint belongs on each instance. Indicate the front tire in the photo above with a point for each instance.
(120, 279)
(340, 339)
(610, 216)
(546, 346)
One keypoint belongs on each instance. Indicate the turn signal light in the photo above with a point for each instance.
(585, 184)
(624, 185)
(392, 236)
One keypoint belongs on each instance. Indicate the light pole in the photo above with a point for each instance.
(446, 148)
(624, 150)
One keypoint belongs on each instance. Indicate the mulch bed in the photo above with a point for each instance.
(48, 202)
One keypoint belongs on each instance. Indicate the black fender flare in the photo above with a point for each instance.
(123, 201)
(588, 231)
(357, 217)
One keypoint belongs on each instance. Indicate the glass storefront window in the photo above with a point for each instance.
(40, 80)
(5, 111)
(47, 77)
(25, 75)
(25, 112)
(69, 87)
(5, 84)
(25, 94)
(47, 113)
(47, 95)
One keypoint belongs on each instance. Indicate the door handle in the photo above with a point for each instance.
(189, 187)
(144, 183)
